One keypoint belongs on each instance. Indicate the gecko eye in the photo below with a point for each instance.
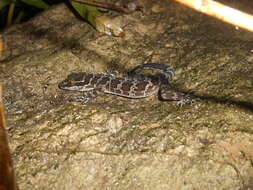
(71, 82)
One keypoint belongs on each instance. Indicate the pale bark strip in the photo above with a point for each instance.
(222, 12)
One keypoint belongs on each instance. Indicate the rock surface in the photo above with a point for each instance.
(119, 143)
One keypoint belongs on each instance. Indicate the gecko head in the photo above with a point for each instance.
(77, 82)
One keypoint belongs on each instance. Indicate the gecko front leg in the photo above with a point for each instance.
(87, 96)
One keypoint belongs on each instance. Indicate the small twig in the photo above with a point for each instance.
(2, 118)
(106, 5)
(7, 175)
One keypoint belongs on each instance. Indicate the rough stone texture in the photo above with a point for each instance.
(119, 143)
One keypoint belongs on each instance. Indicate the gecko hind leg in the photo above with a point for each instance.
(167, 93)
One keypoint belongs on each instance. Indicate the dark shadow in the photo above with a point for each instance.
(246, 106)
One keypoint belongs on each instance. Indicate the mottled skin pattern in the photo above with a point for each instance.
(131, 86)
